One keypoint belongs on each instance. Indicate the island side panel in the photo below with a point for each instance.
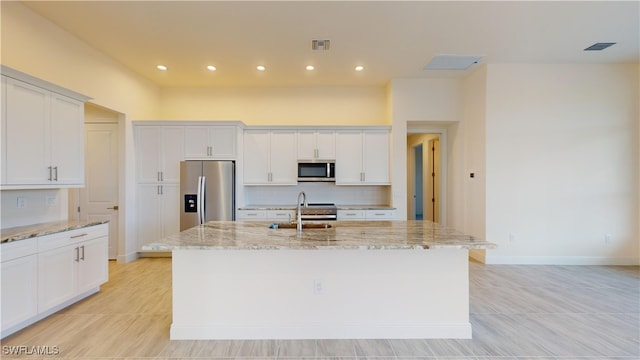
(320, 294)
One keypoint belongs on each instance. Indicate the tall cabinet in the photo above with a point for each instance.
(42, 133)
(159, 150)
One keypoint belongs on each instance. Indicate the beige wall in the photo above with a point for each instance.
(278, 106)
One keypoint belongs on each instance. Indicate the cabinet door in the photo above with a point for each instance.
(149, 213)
(93, 267)
(67, 140)
(170, 197)
(375, 158)
(172, 147)
(223, 142)
(283, 162)
(3, 129)
(29, 145)
(57, 276)
(197, 142)
(307, 145)
(148, 153)
(326, 145)
(19, 290)
(348, 158)
(256, 157)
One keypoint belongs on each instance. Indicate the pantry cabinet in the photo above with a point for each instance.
(362, 157)
(270, 157)
(158, 212)
(159, 150)
(210, 142)
(43, 136)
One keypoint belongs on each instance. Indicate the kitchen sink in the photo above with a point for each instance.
(304, 226)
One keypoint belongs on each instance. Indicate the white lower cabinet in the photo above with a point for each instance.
(366, 215)
(70, 264)
(19, 282)
(47, 273)
(266, 215)
(158, 212)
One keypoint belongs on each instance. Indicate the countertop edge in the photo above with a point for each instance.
(43, 229)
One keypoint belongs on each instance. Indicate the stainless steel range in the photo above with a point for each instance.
(319, 212)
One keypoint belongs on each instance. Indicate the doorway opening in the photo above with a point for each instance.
(100, 198)
(426, 172)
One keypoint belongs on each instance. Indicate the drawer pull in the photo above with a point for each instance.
(82, 257)
(77, 236)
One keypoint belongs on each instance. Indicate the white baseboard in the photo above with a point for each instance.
(337, 331)
(128, 257)
(562, 260)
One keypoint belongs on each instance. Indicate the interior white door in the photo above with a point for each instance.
(99, 197)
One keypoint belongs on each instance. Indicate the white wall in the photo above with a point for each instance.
(474, 154)
(34, 45)
(40, 206)
(317, 193)
(562, 163)
(428, 101)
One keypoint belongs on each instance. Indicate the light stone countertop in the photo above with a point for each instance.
(371, 235)
(340, 207)
(48, 228)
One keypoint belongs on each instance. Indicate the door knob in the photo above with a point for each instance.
(115, 207)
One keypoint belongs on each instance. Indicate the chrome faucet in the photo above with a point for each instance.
(300, 204)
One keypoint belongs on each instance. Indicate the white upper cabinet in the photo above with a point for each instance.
(44, 137)
(316, 145)
(159, 150)
(210, 142)
(362, 157)
(270, 157)
(42, 134)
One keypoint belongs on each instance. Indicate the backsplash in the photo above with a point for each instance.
(317, 193)
(27, 207)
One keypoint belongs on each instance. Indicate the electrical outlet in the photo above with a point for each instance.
(512, 237)
(50, 200)
(318, 287)
(21, 202)
(607, 238)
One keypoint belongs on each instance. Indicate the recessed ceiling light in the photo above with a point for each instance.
(359, 68)
(261, 68)
(161, 67)
(211, 68)
(309, 67)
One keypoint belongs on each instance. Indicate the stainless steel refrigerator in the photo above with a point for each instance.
(207, 192)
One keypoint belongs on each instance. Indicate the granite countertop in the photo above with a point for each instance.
(29, 231)
(250, 235)
(293, 207)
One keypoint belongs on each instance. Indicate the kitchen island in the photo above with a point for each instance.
(386, 279)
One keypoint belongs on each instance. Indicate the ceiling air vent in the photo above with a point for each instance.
(598, 46)
(452, 62)
(320, 44)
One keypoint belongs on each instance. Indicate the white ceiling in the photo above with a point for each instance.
(392, 39)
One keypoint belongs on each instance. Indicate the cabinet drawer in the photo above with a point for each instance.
(281, 215)
(53, 241)
(257, 215)
(379, 214)
(351, 215)
(17, 249)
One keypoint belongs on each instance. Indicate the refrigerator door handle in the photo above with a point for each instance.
(199, 200)
(202, 200)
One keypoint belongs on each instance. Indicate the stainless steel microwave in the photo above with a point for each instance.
(317, 171)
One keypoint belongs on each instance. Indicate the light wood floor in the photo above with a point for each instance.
(517, 312)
